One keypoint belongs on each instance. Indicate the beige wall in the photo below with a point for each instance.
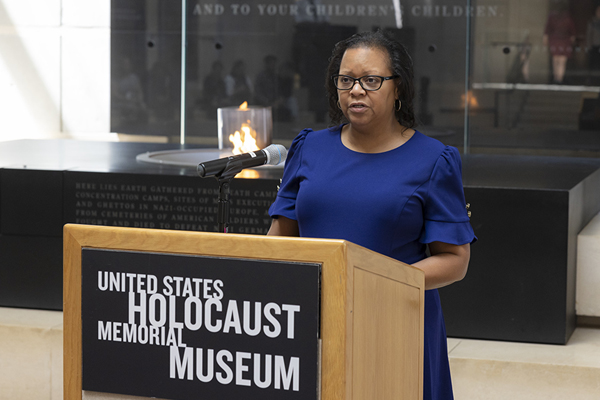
(54, 68)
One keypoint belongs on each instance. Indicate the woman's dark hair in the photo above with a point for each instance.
(400, 63)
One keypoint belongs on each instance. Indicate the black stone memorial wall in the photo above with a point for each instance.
(103, 184)
(165, 202)
(526, 212)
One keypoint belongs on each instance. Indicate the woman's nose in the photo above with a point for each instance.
(354, 87)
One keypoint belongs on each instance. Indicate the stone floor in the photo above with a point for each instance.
(31, 363)
(489, 370)
(31, 344)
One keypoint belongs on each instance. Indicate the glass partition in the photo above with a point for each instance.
(535, 78)
(504, 76)
(533, 67)
(272, 54)
(146, 68)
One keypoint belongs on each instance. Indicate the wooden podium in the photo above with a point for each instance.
(372, 307)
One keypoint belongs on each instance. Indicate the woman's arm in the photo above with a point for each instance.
(447, 264)
(282, 226)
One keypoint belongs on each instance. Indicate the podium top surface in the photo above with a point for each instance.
(493, 171)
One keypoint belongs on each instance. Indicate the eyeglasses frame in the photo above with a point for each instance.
(383, 79)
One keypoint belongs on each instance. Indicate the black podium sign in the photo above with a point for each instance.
(187, 327)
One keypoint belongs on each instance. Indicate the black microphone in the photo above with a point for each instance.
(271, 155)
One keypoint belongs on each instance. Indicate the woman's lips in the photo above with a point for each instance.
(357, 107)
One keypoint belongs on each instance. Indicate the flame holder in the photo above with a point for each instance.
(230, 120)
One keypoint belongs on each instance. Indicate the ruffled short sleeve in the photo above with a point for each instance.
(285, 202)
(445, 213)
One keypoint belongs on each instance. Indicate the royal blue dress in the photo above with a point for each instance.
(393, 203)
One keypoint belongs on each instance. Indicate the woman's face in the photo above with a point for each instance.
(364, 108)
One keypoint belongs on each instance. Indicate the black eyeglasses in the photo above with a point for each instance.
(367, 82)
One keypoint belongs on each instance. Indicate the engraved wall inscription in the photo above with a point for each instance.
(166, 202)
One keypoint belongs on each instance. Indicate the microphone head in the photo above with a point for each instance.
(276, 154)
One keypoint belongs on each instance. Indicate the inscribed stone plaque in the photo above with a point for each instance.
(166, 202)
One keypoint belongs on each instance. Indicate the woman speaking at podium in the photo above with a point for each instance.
(375, 181)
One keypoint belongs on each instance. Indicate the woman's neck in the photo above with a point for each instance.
(375, 140)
